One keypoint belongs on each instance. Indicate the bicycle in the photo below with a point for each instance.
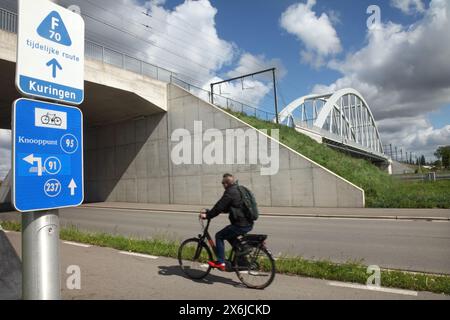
(249, 258)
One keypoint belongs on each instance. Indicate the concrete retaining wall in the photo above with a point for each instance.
(299, 182)
(130, 162)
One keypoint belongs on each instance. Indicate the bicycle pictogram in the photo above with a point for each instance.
(51, 119)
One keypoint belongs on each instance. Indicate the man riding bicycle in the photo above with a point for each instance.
(231, 203)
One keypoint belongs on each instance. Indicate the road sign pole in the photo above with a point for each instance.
(41, 277)
(47, 138)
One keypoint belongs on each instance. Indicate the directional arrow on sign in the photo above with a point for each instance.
(72, 185)
(31, 160)
(54, 64)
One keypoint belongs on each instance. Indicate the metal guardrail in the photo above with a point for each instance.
(224, 102)
(95, 51)
(423, 177)
(118, 59)
(8, 21)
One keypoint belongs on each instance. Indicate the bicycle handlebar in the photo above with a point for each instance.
(202, 223)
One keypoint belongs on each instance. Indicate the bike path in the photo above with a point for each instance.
(109, 274)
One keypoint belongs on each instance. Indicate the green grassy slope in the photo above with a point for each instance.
(381, 190)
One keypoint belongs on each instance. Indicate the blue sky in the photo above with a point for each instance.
(441, 117)
(255, 27)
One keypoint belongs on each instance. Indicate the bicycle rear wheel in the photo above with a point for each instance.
(193, 257)
(256, 269)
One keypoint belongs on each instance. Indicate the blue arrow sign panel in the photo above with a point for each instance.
(47, 156)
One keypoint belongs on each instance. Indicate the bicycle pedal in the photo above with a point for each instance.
(228, 267)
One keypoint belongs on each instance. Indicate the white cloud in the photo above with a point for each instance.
(315, 32)
(190, 31)
(404, 73)
(409, 6)
(414, 134)
(184, 39)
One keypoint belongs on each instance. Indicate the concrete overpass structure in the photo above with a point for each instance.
(129, 120)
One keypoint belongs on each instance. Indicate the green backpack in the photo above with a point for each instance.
(249, 205)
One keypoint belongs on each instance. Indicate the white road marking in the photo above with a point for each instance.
(138, 255)
(77, 244)
(373, 288)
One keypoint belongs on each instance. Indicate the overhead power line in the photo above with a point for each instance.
(195, 50)
(144, 40)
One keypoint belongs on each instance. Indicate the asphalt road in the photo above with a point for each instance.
(108, 274)
(408, 245)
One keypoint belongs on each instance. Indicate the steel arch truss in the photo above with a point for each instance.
(343, 116)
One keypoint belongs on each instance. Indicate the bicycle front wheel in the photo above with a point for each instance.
(193, 257)
(256, 269)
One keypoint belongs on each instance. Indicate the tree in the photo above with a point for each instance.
(437, 164)
(422, 160)
(443, 154)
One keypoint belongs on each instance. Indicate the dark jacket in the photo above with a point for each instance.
(231, 203)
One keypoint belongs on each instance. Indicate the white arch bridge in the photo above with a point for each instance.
(342, 120)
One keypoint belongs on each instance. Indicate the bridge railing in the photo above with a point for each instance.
(95, 51)
(8, 21)
(224, 102)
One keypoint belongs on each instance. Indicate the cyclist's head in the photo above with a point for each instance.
(228, 180)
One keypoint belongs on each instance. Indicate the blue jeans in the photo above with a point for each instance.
(228, 233)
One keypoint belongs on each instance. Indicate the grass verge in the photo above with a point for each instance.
(348, 272)
(381, 190)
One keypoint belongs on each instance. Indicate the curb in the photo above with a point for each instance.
(302, 215)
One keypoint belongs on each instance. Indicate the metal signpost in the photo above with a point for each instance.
(47, 138)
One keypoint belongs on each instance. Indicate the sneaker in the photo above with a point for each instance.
(217, 265)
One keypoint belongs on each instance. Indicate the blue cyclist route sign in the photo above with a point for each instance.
(47, 156)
